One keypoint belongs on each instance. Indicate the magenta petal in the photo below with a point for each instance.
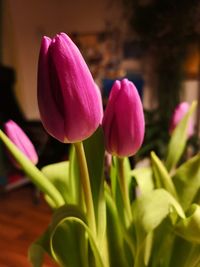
(21, 140)
(100, 103)
(51, 118)
(178, 115)
(123, 121)
(73, 98)
(108, 118)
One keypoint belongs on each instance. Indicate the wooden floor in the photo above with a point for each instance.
(21, 222)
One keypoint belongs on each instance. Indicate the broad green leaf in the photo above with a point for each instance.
(94, 151)
(148, 248)
(116, 192)
(185, 254)
(162, 244)
(144, 179)
(162, 176)
(34, 174)
(58, 174)
(127, 168)
(38, 249)
(193, 259)
(149, 211)
(178, 140)
(36, 255)
(187, 181)
(189, 227)
(68, 240)
(113, 177)
(67, 245)
(126, 187)
(130, 184)
(115, 237)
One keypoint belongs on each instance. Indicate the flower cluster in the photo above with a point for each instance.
(100, 221)
(70, 104)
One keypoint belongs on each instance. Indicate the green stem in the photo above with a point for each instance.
(33, 173)
(85, 181)
(124, 188)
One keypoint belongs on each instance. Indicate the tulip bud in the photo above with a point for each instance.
(21, 140)
(123, 121)
(178, 115)
(68, 98)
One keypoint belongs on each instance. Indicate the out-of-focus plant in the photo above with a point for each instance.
(177, 116)
(102, 222)
(165, 28)
(157, 133)
(21, 140)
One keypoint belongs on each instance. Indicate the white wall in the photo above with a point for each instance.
(25, 22)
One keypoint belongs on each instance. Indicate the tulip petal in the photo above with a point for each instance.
(178, 115)
(123, 121)
(108, 119)
(78, 89)
(51, 116)
(73, 88)
(21, 140)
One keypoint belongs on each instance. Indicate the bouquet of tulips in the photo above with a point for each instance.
(105, 214)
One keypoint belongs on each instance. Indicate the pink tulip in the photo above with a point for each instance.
(123, 121)
(68, 98)
(178, 115)
(21, 140)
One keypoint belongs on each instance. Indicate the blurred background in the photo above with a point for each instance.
(157, 39)
(155, 43)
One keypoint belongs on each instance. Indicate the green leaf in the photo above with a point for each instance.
(94, 151)
(193, 259)
(189, 227)
(68, 240)
(128, 176)
(162, 244)
(187, 181)
(67, 245)
(127, 168)
(58, 174)
(178, 139)
(148, 247)
(152, 208)
(115, 237)
(36, 176)
(113, 177)
(144, 179)
(36, 255)
(149, 212)
(38, 249)
(116, 189)
(185, 254)
(162, 177)
(116, 192)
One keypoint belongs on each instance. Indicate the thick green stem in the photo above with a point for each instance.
(85, 182)
(124, 188)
